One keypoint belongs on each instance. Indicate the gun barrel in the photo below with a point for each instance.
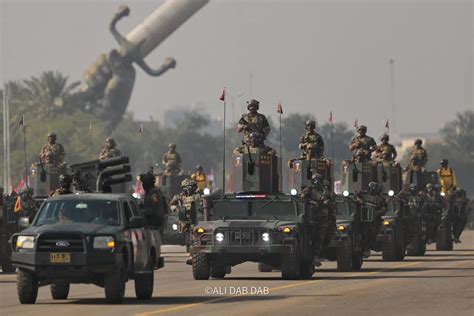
(162, 22)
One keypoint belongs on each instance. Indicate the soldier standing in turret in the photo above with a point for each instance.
(311, 143)
(418, 156)
(65, 182)
(323, 205)
(52, 153)
(385, 152)
(363, 145)
(110, 150)
(253, 122)
(447, 177)
(172, 161)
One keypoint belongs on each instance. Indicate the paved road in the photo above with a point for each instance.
(440, 283)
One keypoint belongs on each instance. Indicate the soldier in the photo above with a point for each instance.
(460, 212)
(155, 206)
(253, 122)
(418, 156)
(385, 152)
(65, 182)
(447, 177)
(311, 143)
(52, 153)
(201, 178)
(172, 161)
(322, 204)
(363, 146)
(256, 141)
(373, 197)
(432, 208)
(110, 150)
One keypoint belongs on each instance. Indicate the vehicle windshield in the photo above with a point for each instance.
(251, 209)
(103, 212)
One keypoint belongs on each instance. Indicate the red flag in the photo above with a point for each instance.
(386, 125)
(138, 189)
(330, 117)
(140, 129)
(279, 108)
(222, 97)
(356, 123)
(20, 186)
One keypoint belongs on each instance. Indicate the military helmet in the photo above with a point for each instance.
(53, 135)
(317, 179)
(436, 187)
(444, 162)
(184, 183)
(385, 137)
(199, 167)
(65, 180)
(254, 103)
(373, 187)
(362, 128)
(413, 188)
(418, 141)
(429, 186)
(310, 123)
(171, 145)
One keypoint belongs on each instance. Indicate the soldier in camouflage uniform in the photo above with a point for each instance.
(253, 122)
(256, 142)
(65, 182)
(155, 206)
(385, 152)
(323, 206)
(190, 200)
(110, 150)
(172, 161)
(363, 146)
(418, 157)
(433, 209)
(52, 153)
(311, 143)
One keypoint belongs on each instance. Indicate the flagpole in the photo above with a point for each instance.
(24, 149)
(332, 139)
(90, 140)
(5, 124)
(223, 155)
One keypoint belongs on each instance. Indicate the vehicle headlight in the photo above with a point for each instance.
(200, 230)
(206, 191)
(104, 242)
(174, 226)
(136, 195)
(341, 228)
(345, 193)
(286, 230)
(220, 237)
(25, 242)
(386, 223)
(293, 192)
(265, 237)
(391, 193)
(442, 194)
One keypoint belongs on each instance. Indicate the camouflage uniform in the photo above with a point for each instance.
(385, 152)
(190, 200)
(256, 142)
(312, 143)
(373, 197)
(110, 150)
(418, 157)
(253, 122)
(323, 206)
(172, 161)
(52, 153)
(65, 182)
(432, 208)
(363, 146)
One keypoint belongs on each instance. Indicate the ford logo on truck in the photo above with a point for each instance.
(62, 243)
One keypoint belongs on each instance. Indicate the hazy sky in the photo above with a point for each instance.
(313, 55)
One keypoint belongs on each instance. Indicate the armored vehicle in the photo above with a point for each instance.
(86, 238)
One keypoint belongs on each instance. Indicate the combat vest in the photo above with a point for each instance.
(385, 152)
(255, 123)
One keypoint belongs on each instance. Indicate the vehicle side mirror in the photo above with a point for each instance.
(137, 222)
(24, 222)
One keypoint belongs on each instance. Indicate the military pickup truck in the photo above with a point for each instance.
(92, 238)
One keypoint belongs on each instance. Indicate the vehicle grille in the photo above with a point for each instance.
(247, 236)
(51, 242)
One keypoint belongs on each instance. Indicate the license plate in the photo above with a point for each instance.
(60, 257)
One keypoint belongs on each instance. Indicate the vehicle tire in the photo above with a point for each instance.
(263, 267)
(290, 264)
(344, 255)
(201, 266)
(357, 261)
(59, 290)
(306, 270)
(27, 287)
(114, 286)
(389, 248)
(7, 266)
(144, 283)
(444, 239)
(218, 271)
